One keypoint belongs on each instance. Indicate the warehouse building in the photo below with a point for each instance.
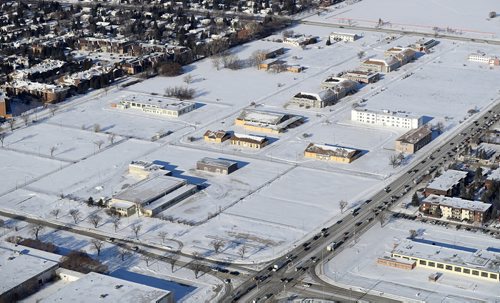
(331, 153)
(266, 121)
(219, 166)
(159, 106)
(249, 141)
(413, 140)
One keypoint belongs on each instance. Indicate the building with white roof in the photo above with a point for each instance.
(151, 196)
(483, 58)
(386, 118)
(94, 287)
(250, 141)
(47, 93)
(321, 99)
(219, 166)
(447, 184)
(144, 169)
(453, 208)
(24, 270)
(331, 153)
(267, 121)
(385, 65)
(46, 66)
(362, 76)
(468, 262)
(347, 37)
(159, 106)
(413, 140)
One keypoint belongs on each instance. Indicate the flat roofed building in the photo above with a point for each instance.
(41, 69)
(362, 76)
(218, 136)
(458, 209)
(483, 58)
(414, 140)
(339, 85)
(447, 184)
(219, 166)
(24, 270)
(47, 93)
(494, 176)
(424, 45)
(300, 40)
(471, 263)
(402, 54)
(144, 169)
(321, 99)
(94, 287)
(266, 121)
(396, 262)
(386, 118)
(335, 36)
(250, 141)
(151, 191)
(331, 153)
(159, 106)
(269, 63)
(380, 65)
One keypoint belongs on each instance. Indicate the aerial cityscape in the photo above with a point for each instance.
(249, 151)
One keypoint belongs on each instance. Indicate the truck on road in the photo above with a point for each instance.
(278, 265)
(331, 246)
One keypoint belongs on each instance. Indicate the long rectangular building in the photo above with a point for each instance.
(386, 118)
(331, 153)
(159, 106)
(266, 121)
(456, 208)
(413, 140)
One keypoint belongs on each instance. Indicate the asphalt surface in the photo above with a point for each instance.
(266, 284)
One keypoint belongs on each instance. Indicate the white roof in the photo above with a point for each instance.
(250, 137)
(94, 287)
(19, 264)
(216, 162)
(386, 112)
(149, 189)
(495, 175)
(455, 202)
(45, 65)
(88, 74)
(158, 102)
(24, 84)
(447, 180)
(260, 116)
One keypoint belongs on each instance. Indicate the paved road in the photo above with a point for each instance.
(267, 283)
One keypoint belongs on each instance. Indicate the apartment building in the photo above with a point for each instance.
(386, 118)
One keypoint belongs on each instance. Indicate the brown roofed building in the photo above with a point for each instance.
(216, 136)
(414, 140)
(331, 153)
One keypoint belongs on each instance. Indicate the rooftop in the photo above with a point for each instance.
(253, 138)
(447, 180)
(387, 112)
(415, 135)
(264, 117)
(45, 65)
(217, 162)
(150, 189)
(35, 86)
(332, 150)
(94, 287)
(494, 175)
(163, 103)
(455, 202)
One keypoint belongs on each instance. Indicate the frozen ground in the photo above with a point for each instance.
(367, 275)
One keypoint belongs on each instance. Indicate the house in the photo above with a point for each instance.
(46, 93)
(453, 208)
(413, 140)
(145, 169)
(151, 196)
(362, 76)
(450, 258)
(346, 37)
(91, 44)
(386, 118)
(324, 98)
(267, 121)
(447, 184)
(216, 136)
(295, 68)
(483, 58)
(300, 40)
(95, 287)
(219, 166)
(24, 270)
(331, 153)
(5, 111)
(91, 78)
(249, 141)
(380, 65)
(156, 105)
(402, 54)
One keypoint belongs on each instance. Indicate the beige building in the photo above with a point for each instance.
(331, 153)
(413, 140)
(145, 169)
(362, 76)
(457, 209)
(266, 121)
(402, 54)
(347, 37)
(250, 141)
(216, 136)
(386, 65)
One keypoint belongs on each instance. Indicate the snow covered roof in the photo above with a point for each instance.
(332, 150)
(18, 264)
(35, 86)
(94, 287)
(217, 162)
(145, 165)
(163, 103)
(44, 66)
(260, 116)
(455, 202)
(150, 189)
(415, 135)
(250, 138)
(447, 180)
(494, 175)
(383, 62)
(88, 74)
(387, 112)
(322, 95)
(215, 134)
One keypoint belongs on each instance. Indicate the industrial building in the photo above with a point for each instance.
(386, 65)
(386, 118)
(159, 106)
(483, 58)
(151, 196)
(413, 140)
(331, 153)
(219, 166)
(266, 121)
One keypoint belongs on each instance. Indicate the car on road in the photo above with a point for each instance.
(307, 285)
(234, 273)
(227, 281)
(314, 259)
(359, 223)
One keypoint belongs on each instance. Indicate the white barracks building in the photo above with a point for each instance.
(386, 118)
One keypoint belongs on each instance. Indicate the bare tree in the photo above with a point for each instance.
(26, 118)
(216, 62)
(52, 110)
(217, 244)
(342, 204)
(55, 212)
(11, 122)
(187, 79)
(52, 150)
(258, 57)
(172, 260)
(99, 144)
(75, 214)
(147, 259)
(382, 218)
(97, 244)
(115, 219)
(35, 229)
(196, 266)
(361, 54)
(394, 161)
(136, 228)
(413, 233)
(111, 138)
(242, 251)
(163, 235)
(97, 128)
(123, 253)
(2, 137)
(94, 219)
(492, 14)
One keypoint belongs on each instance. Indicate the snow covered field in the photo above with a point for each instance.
(367, 275)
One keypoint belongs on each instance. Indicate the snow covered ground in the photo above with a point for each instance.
(367, 275)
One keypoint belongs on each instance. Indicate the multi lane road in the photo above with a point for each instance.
(266, 284)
